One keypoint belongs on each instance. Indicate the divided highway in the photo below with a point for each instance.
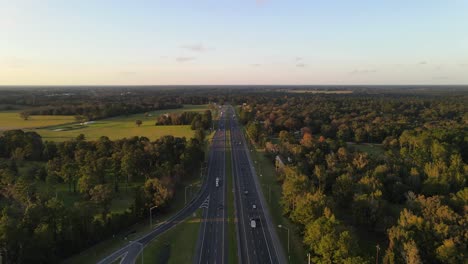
(258, 240)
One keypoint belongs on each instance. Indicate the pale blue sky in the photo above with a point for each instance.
(233, 42)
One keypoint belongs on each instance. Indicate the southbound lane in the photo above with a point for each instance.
(259, 244)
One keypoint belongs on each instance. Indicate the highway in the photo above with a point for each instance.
(259, 244)
(212, 245)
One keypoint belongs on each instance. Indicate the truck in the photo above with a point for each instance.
(217, 181)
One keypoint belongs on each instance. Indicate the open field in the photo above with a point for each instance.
(374, 150)
(11, 120)
(177, 245)
(121, 127)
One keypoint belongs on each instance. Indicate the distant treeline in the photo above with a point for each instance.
(196, 120)
(98, 111)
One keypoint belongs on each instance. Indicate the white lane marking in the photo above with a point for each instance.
(224, 188)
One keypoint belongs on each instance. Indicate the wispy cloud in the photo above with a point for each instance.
(422, 63)
(301, 65)
(255, 65)
(298, 59)
(185, 59)
(261, 2)
(196, 48)
(363, 71)
(464, 65)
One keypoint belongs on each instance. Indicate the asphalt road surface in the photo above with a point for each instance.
(212, 244)
(215, 245)
(259, 244)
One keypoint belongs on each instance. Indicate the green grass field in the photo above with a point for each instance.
(374, 150)
(177, 245)
(120, 127)
(11, 120)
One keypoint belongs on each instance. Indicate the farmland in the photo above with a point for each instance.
(12, 120)
(117, 127)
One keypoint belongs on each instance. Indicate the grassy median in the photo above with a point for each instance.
(232, 242)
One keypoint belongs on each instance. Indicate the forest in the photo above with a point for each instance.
(411, 198)
(194, 119)
(370, 175)
(36, 226)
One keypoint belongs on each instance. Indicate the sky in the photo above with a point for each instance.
(178, 42)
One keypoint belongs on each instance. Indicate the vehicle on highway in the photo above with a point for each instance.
(254, 206)
(246, 192)
(217, 181)
(253, 224)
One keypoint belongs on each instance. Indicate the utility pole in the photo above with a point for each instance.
(190, 185)
(269, 191)
(151, 217)
(308, 256)
(281, 226)
(377, 256)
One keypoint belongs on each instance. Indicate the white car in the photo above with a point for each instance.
(254, 206)
(253, 224)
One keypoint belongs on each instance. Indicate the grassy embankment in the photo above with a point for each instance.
(177, 245)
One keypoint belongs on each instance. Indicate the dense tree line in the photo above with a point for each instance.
(37, 227)
(97, 111)
(194, 119)
(356, 118)
(414, 196)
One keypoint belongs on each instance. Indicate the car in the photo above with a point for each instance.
(254, 206)
(246, 192)
(253, 224)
